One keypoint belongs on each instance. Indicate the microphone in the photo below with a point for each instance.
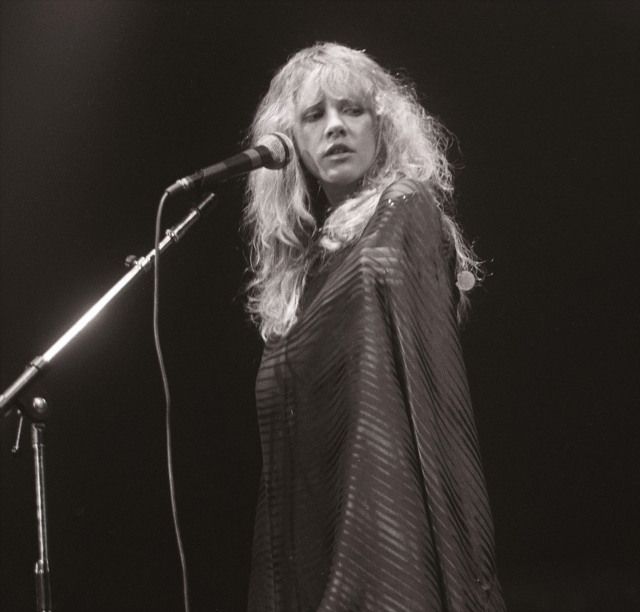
(273, 151)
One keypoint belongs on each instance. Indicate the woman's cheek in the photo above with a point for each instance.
(309, 163)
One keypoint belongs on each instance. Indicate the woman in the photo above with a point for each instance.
(372, 495)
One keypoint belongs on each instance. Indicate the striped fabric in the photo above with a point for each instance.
(372, 496)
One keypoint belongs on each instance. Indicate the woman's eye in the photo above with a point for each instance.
(312, 116)
(354, 110)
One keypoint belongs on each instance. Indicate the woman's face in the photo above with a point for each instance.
(335, 138)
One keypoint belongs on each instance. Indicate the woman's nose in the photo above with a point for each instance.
(335, 125)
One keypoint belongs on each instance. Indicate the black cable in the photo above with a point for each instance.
(167, 395)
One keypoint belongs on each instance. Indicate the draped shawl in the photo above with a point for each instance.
(372, 496)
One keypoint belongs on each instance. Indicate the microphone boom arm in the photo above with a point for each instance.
(143, 264)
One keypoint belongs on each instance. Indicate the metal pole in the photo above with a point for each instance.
(138, 266)
(41, 571)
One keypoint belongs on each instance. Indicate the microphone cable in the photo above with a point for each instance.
(273, 151)
(167, 396)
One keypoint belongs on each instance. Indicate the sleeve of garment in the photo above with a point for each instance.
(414, 531)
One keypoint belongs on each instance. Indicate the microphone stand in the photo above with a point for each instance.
(37, 410)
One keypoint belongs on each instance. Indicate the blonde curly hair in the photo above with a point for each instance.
(410, 144)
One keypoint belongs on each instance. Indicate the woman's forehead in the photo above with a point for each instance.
(322, 83)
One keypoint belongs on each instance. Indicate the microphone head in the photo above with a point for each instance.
(280, 150)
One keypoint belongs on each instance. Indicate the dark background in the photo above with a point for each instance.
(106, 103)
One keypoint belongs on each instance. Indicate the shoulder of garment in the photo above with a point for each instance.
(407, 219)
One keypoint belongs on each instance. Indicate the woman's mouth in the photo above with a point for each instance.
(337, 150)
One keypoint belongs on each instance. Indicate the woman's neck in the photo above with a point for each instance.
(337, 194)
